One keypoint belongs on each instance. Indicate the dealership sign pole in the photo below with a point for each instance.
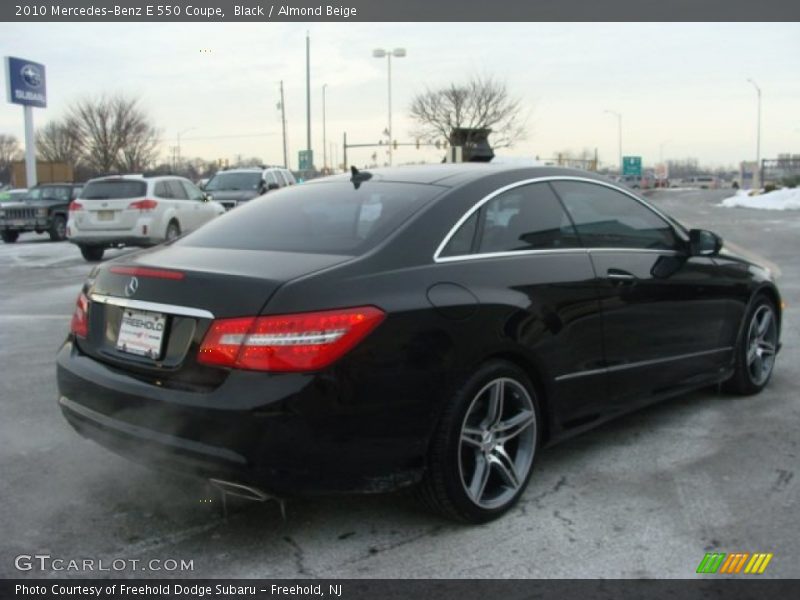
(26, 85)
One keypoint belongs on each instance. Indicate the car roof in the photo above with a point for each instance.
(454, 174)
(135, 177)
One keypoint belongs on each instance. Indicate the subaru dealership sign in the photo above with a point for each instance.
(25, 82)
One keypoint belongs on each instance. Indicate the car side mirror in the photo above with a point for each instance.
(272, 186)
(704, 243)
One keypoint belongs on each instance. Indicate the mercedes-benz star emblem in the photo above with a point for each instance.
(132, 286)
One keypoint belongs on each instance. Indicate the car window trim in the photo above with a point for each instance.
(437, 258)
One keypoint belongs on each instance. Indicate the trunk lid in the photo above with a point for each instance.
(167, 298)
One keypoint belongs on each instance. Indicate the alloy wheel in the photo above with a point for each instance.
(497, 443)
(762, 339)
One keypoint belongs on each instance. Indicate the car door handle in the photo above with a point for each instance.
(620, 275)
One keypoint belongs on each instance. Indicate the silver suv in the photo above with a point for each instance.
(232, 187)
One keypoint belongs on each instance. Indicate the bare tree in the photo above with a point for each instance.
(9, 152)
(60, 141)
(116, 133)
(480, 103)
(139, 150)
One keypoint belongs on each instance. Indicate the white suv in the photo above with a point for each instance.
(133, 210)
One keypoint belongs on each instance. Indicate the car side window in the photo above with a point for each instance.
(193, 192)
(528, 217)
(269, 177)
(162, 190)
(461, 242)
(178, 192)
(606, 218)
(281, 178)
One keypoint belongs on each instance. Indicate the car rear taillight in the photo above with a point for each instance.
(80, 318)
(75, 205)
(143, 205)
(299, 342)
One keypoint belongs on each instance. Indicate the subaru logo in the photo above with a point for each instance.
(31, 76)
(132, 286)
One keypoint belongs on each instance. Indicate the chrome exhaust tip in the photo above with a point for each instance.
(241, 490)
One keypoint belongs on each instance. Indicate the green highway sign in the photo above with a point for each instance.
(632, 165)
(305, 158)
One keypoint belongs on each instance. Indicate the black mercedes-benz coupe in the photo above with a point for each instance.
(431, 326)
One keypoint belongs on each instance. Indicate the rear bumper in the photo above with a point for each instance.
(106, 240)
(283, 433)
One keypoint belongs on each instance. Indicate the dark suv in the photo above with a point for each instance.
(232, 187)
(44, 208)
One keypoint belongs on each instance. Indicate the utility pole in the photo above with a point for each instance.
(324, 141)
(758, 134)
(308, 97)
(283, 126)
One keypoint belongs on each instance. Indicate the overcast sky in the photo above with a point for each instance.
(681, 87)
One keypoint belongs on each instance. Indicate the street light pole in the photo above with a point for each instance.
(758, 133)
(308, 98)
(398, 53)
(619, 123)
(324, 135)
(282, 106)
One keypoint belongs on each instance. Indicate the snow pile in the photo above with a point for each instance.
(785, 199)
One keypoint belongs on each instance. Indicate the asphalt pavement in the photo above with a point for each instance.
(645, 496)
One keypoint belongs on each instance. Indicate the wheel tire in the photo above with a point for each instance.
(92, 253)
(464, 446)
(755, 351)
(58, 231)
(173, 231)
(9, 237)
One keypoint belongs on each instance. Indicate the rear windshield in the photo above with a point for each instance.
(234, 181)
(326, 218)
(111, 190)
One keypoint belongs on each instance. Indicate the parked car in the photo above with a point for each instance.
(232, 187)
(43, 208)
(133, 210)
(432, 326)
(703, 182)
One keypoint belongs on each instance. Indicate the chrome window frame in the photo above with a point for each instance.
(489, 197)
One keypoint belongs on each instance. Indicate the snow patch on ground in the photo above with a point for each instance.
(785, 199)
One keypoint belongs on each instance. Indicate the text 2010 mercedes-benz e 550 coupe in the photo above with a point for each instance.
(432, 326)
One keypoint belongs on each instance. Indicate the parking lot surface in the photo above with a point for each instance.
(644, 496)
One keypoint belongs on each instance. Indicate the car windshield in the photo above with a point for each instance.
(111, 190)
(325, 218)
(234, 181)
(49, 193)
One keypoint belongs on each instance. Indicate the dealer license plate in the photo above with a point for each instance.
(141, 333)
